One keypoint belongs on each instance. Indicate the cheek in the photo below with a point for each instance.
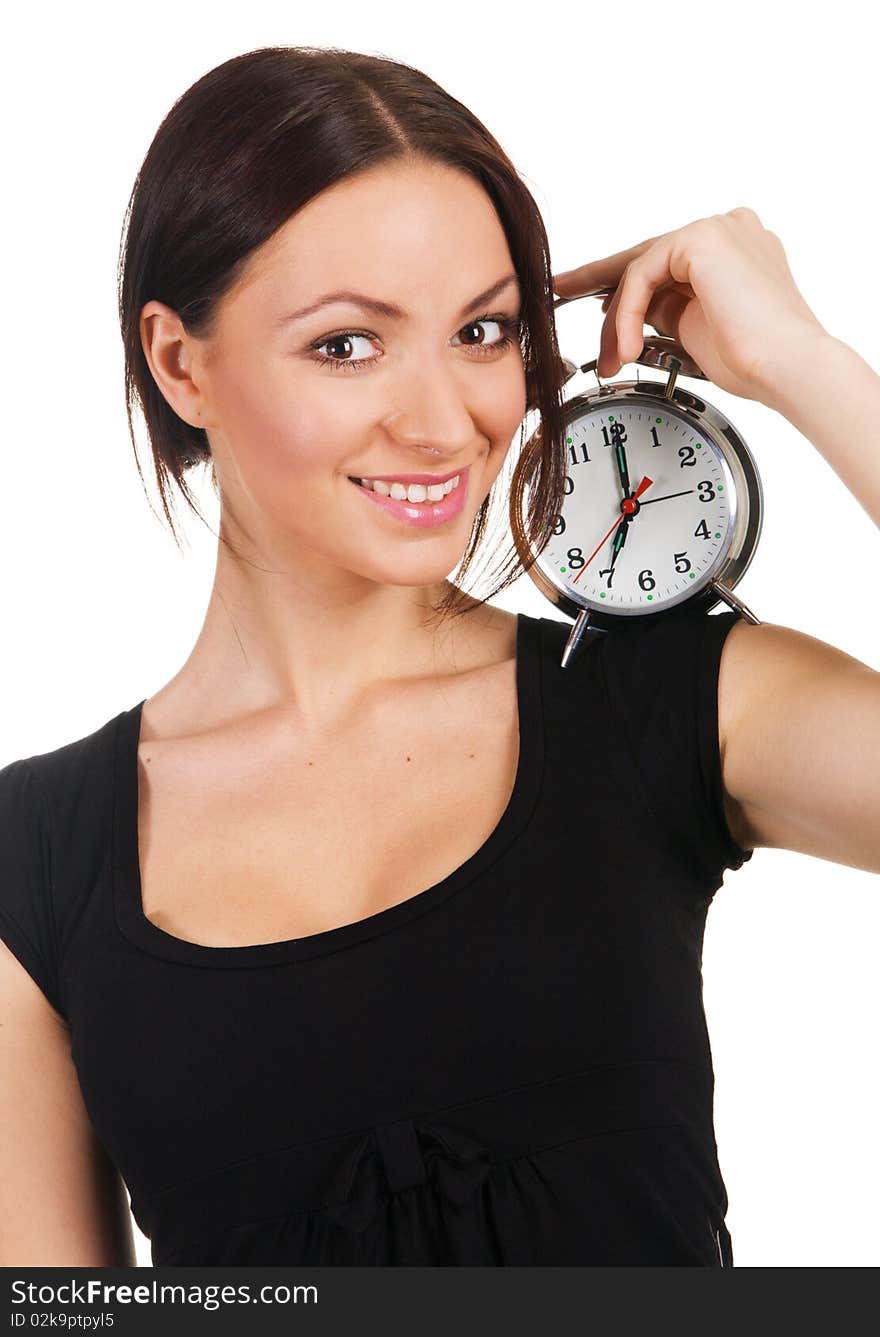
(512, 399)
(505, 406)
(282, 435)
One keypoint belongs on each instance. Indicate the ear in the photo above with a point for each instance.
(169, 353)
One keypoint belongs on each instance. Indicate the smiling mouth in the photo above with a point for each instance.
(412, 492)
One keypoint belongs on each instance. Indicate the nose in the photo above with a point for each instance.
(432, 415)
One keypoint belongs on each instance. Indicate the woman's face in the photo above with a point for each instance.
(436, 390)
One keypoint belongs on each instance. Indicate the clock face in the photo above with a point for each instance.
(656, 550)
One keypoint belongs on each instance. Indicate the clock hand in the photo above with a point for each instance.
(669, 496)
(623, 527)
(620, 454)
(619, 540)
(629, 508)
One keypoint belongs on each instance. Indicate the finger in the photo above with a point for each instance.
(648, 272)
(666, 310)
(663, 313)
(599, 293)
(610, 360)
(681, 289)
(602, 273)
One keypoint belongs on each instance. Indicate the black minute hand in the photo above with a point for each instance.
(622, 469)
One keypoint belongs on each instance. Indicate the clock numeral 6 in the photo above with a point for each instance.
(646, 579)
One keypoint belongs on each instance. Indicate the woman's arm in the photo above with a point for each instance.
(799, 734)
(799, 720)
(832, 397)
(62, 1202)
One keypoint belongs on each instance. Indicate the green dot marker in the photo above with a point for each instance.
(718, 536)
(650, 597)
(602, 594)
(692, 575)
(568, 440)
(699, 447)
(658, 419)
(720, 487)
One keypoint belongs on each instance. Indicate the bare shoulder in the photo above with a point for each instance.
(762, 663)
(480, 639)
(785, 701)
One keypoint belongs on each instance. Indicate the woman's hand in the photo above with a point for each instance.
(720, 286)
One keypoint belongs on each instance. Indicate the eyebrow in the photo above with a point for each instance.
(387, 309)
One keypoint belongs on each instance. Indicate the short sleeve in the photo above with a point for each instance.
(661, 681)
(27, 921)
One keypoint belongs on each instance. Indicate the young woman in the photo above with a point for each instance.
(374, 936)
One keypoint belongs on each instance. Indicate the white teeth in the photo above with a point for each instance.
(413, 491)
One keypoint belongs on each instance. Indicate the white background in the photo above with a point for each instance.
(625, 120)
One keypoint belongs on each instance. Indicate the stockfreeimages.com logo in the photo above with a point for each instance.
(96, 1292)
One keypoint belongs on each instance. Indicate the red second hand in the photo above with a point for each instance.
(627, 508)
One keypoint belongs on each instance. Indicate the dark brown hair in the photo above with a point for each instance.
(246, 147)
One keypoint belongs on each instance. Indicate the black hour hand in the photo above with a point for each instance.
(616, 545)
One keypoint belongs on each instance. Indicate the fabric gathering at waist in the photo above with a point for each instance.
(346, 1177)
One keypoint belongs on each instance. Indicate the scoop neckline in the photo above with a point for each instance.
(125, 860)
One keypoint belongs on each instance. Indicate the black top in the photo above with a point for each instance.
(509, 1068)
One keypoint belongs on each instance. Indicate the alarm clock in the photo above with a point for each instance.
(663, 502)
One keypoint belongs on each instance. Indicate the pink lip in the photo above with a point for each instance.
(429, 480)
(423, 514)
